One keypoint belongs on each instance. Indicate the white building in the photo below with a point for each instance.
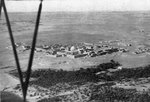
(72, 48)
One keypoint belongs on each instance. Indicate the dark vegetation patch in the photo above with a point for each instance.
(103, 94)
(54, 99)
(49, 77)
(134, 73)
(110, 94)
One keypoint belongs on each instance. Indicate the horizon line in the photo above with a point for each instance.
(80, 11)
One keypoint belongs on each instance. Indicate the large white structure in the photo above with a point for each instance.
(72, 48)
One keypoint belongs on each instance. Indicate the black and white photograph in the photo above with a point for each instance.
(74, 50)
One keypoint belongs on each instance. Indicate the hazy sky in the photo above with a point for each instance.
(79, 5)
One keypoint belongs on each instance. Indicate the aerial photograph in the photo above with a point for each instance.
(74, 50)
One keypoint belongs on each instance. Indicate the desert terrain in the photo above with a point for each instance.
(71, 28)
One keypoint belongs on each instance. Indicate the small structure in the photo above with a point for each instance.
(62, 48)
(26, 47)
(119, 68)
(51, 52)
(81, 51)
(45, 47)
(17, 44)
(39, 49)
(76, 56)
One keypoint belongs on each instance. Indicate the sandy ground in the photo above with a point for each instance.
(7, 81)
(141, 84)
(127, 60)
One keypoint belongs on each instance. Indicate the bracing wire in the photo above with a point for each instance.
(0, 7)
(25, 84)
(12, 43)
(32, 49)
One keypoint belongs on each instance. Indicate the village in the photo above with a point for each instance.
(74, 51)
(79, 50)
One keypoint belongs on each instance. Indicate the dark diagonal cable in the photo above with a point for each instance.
(1, 7)
(13, 43)
(32, 49)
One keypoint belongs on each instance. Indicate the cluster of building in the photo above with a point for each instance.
(74, 51)
(141, 50)
(82, 50)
